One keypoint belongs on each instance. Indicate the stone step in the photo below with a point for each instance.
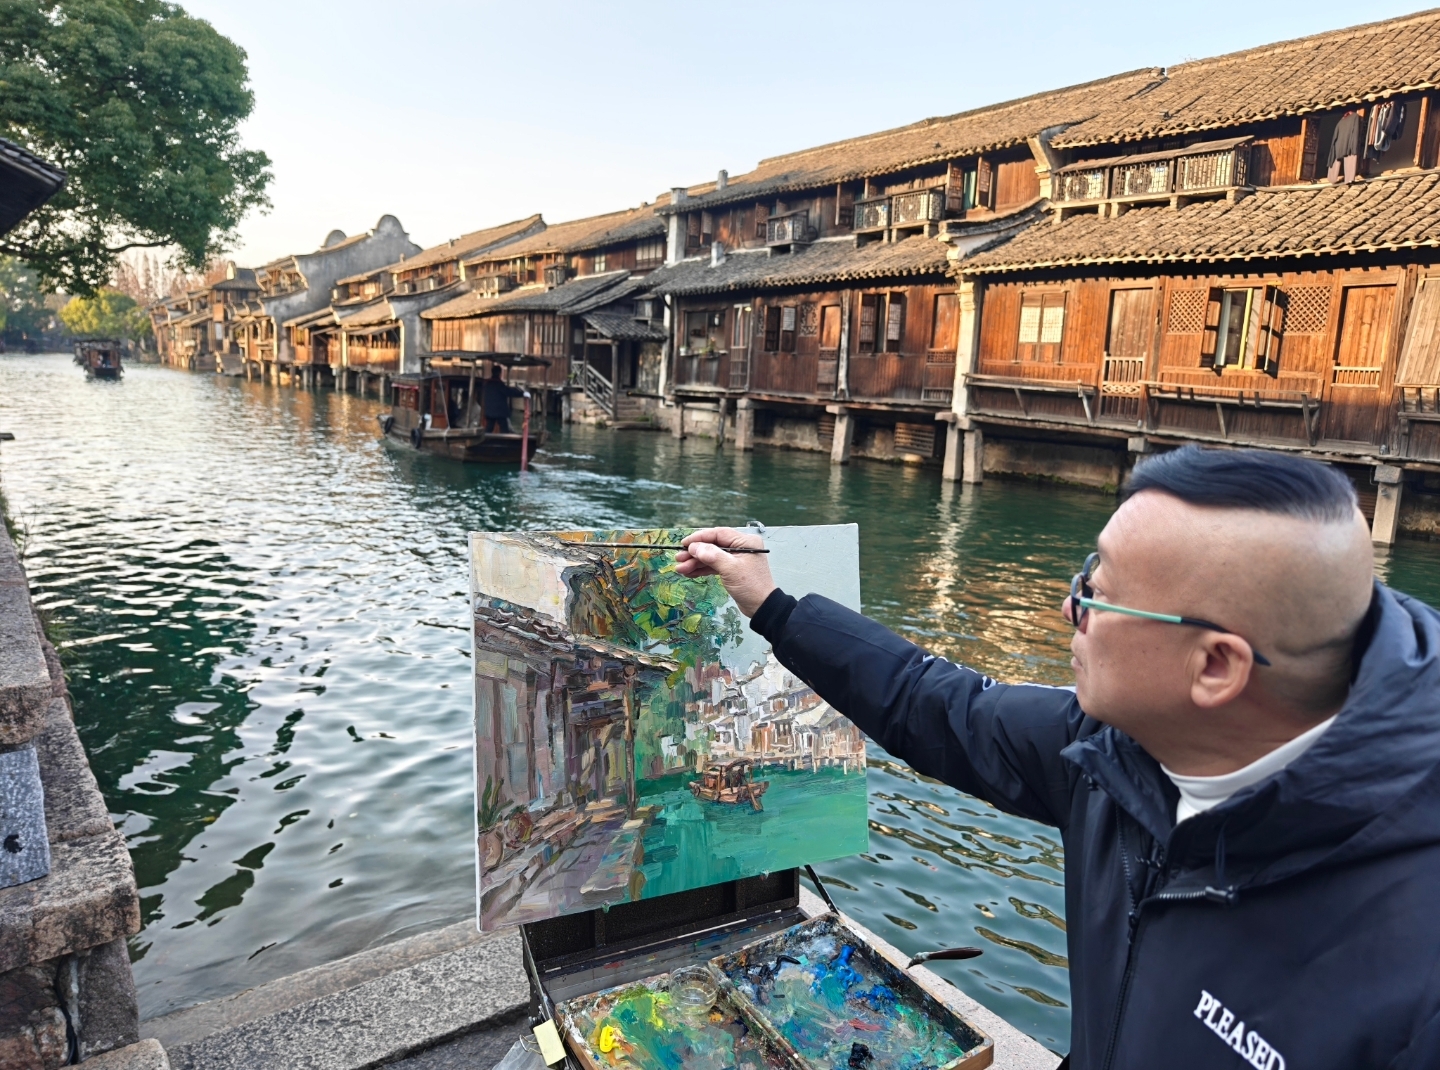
(377, 1007)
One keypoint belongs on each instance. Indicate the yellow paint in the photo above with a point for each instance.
(607, 1039)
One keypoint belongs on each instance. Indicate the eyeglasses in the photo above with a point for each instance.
(1082, 600)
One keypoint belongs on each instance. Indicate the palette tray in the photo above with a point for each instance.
(639, 1027)
(824, 996)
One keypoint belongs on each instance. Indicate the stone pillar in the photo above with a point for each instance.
(678, 428)
(844, 432)
(952, 469)
(973, 463)
(722, 410)
(1389, 484)
(744, 424)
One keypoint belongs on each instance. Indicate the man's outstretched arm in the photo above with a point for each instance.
(996, 741)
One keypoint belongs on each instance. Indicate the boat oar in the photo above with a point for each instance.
(948, 953)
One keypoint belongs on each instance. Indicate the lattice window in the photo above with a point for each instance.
(809, 320)
(1187, 311)
(1308, 311)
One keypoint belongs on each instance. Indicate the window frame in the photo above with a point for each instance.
(1041, 351)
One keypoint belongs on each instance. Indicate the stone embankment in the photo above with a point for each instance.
(66, 991)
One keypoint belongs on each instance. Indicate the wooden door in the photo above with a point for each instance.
(1357, 402)
(827, 373)
(1127, 345)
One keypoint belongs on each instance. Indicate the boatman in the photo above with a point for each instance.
(496, 406)
(1246, 774)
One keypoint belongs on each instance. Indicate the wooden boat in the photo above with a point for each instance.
(729, 782)
(100, 357)
(440, 411)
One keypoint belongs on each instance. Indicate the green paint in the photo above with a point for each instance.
(806, 815)
(647, 1032)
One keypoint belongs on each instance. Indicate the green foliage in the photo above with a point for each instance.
(140, 104)
(23, 313)
(490, 809)
(108, 314)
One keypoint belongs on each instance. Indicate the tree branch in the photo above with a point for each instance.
(137, 245)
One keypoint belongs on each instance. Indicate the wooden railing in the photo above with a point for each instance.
(1356, 376)
(598, 388)
(872, 214)
(918, 208)
(788, 229)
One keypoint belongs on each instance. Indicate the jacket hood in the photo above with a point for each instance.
(1368, 786)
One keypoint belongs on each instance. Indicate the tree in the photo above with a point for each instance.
(106, 314)
(140, 104)
(23, 309)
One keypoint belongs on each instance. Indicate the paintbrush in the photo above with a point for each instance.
(948, 953)
(664, 546)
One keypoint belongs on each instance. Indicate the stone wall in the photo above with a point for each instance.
(66, 990)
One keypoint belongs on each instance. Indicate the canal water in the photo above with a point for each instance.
(264, 612)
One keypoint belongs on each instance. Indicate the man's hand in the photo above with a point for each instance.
(746, 576)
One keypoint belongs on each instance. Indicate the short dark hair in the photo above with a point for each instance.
(1247, 479)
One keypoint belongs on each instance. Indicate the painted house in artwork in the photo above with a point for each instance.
(1244, 253)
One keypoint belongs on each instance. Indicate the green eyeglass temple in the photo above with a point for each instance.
(1080, 599)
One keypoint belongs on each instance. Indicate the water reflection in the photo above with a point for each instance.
(266, 615)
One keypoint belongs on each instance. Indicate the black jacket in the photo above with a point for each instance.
(496, 405)
(1295, 925)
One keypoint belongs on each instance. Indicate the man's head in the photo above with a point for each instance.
(1272, 548)
(495, 371)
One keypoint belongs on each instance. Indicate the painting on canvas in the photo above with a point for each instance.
(633, 736)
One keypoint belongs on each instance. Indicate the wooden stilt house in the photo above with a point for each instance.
(1214, 269)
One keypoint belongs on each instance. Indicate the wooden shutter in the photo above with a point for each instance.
(830, 327)
(787, 328)
(1210, 338)
(945, 328)
(1028, 335)
(707, 228)
(1420, 359)
(984, 185)
(762, 219)
(772, 328)
(869, 312)
(1052, 327)
(844, 206)
(954, 188)
(692, 230)
(894, 322)
(1269, 324)
(1309, 148)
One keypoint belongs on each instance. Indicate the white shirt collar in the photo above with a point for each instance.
(1200, 793)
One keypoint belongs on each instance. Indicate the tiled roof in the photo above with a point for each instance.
(929, 141)
(590, 233)
(379, 312)
(1327, 70)
(623, 328)
(463, 246)
(823, 262)
(572, 298)
(1388, 213)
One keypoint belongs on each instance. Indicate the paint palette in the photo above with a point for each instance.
(822, 992)
(646, 1026)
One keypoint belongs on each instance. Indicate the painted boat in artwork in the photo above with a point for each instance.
(729, 782)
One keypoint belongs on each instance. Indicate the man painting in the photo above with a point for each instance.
(1246, 774)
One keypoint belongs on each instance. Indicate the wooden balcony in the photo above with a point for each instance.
(1207, 168)
(917, 209)
(872, 215)
(793, 228)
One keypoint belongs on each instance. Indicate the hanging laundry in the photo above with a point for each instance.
(1348, 142)
(1387, 119)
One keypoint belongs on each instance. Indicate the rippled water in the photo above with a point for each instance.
(265, 619)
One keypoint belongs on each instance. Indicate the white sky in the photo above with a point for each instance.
(454, 116)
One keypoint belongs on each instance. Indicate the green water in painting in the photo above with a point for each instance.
(266, 612)
(806, 815)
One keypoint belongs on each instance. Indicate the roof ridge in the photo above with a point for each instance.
(1295, 43)
(936, 120)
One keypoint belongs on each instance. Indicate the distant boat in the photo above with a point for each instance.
(440, 411)
(729, 782)
(100, 357)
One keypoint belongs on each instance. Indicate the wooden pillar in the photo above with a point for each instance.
(1389, 485)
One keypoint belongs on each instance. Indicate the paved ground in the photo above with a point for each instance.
(479, 1050)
